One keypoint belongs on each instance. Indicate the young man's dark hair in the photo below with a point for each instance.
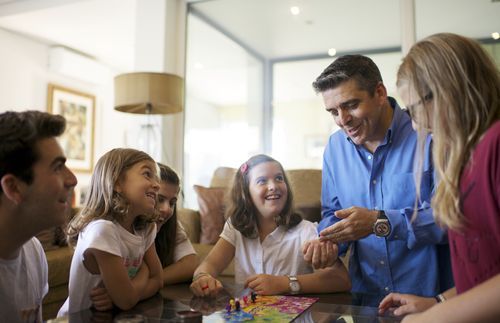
(19, 133)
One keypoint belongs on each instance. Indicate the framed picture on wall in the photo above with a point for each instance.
(78, 140)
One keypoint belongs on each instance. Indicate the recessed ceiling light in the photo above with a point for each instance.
(295, 10)
(495, 35)
(332, 52)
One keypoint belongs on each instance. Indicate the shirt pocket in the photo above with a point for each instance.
(402, 189)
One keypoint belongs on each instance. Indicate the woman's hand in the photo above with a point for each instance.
(263, 284)
(205, 285)
(405, 303)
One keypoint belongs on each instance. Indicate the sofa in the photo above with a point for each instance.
(305, 185)
(59, 261)
(59, 256)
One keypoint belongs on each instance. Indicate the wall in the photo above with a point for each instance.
(24, 78)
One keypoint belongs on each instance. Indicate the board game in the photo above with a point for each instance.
(265, 309)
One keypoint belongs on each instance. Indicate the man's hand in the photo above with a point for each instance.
(264, 284)
(405, 303)
(357, 223)
(320, 254)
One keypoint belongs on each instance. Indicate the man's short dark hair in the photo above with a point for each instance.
(19, 134)
(356, 67)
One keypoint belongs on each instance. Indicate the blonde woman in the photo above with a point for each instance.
(452, 88)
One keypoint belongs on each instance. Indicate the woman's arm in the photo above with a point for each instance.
(204, 283)
(408, 303)
(328, 280)
(180, 271)
(479, 304)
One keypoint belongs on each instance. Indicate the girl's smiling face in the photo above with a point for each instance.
(167, 199)
(139, 185)
(268, 189)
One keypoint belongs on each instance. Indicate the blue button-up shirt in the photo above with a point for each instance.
(407, 260)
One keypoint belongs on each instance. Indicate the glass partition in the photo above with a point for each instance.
(223, 118)
(301, 126)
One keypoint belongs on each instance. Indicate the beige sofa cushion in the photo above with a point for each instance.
(211, 204)
(223, 177)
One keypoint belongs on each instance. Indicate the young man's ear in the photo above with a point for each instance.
(12, 188)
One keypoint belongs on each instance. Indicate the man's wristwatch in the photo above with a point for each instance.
(382, 227)
(294, 285)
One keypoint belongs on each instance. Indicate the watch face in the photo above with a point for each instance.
(382, 228)
(295, 286)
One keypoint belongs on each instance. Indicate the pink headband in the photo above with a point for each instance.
(244, 168)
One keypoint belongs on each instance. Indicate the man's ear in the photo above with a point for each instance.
(12, 188)
(381, 92)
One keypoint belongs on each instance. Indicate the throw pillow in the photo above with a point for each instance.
(211, 204)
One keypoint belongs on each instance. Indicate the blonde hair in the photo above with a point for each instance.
(102, 201)
(464, 84)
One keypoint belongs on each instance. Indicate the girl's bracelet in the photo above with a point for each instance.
(199, 275)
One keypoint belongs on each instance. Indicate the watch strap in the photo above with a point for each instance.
(440, 298)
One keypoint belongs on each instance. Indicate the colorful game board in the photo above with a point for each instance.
(265, 309)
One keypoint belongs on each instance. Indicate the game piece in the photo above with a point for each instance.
(253, 297)
(228, 308)
(245, 300)
(237, 304)
(231, 303)
(265, 309)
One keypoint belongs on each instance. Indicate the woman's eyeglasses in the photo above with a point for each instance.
(412, 107)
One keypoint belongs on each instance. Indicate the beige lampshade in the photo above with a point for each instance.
(143, 93)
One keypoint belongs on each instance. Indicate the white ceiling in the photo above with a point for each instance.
(269, 28)
(105, 29)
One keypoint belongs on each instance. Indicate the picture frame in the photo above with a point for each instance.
(78, 109)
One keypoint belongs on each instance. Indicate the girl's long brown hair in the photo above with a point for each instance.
(241, 209)
(165, 238)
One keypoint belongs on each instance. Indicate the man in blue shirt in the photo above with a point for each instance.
(368, 189)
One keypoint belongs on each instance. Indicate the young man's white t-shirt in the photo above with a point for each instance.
(23, 284)
(279, 254)
(111, 237)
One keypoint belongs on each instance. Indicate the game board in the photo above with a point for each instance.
(265, 309)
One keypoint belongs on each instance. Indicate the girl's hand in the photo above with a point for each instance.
(405, 303)
(264, 284)
(100, 299)
(206, 285)
(320, 254)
